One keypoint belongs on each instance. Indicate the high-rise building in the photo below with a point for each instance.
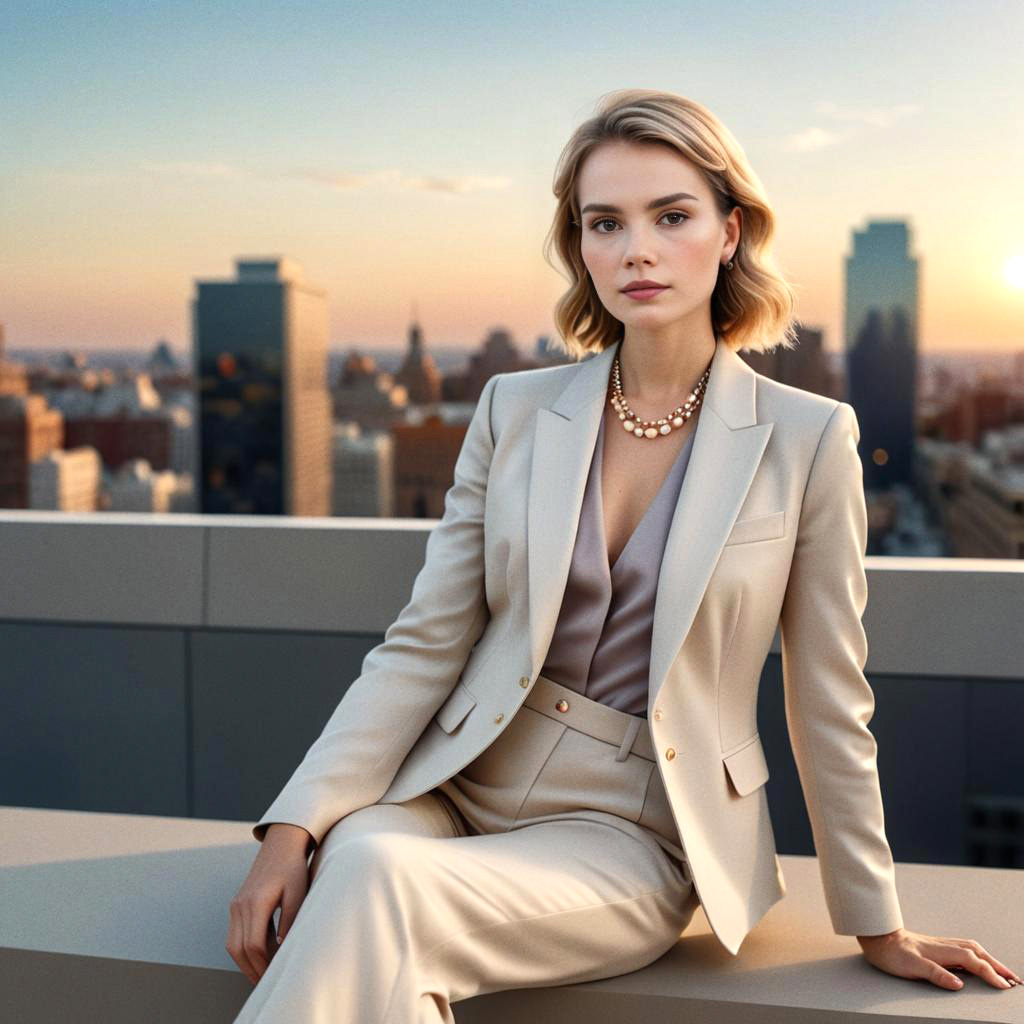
(260, 345)
(881, 340)
(805, 366)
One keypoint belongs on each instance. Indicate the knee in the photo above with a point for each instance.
(365, 858)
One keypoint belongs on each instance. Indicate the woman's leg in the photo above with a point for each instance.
(322, 946)
(406, 915)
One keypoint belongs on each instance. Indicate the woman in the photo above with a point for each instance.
(489, 804)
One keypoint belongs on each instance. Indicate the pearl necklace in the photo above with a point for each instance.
(654, 428)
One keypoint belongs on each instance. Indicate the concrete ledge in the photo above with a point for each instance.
(930, 617)
(123, 918)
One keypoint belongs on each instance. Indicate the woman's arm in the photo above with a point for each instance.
(827, 697)
(406, 678)
(828, 706)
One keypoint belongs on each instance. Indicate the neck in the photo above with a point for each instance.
(658, 374)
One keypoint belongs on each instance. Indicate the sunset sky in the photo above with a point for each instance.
(403, 153)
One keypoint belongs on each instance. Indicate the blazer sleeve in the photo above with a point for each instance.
(407, 677)
(828, 700)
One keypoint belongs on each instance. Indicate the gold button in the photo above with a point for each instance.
(524, 681)
(670, 753)
(659, 714)
(498, 717)
(562, 705)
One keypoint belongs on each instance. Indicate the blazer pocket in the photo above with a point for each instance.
(767, 527)
(747, 766)
(455, 708)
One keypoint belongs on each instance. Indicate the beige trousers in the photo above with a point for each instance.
(550, 859)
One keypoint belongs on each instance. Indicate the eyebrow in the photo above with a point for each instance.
(652, 205)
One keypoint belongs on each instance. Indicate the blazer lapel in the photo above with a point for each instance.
(727, 448)
(563, 447)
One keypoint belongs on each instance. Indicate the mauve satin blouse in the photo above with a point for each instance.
(602, 641)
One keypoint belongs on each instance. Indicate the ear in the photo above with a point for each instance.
(733, 228)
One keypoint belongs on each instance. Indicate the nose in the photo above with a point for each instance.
(637, 250)
(637, 255)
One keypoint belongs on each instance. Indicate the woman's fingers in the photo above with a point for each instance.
(256, 918)
(294, 894)
(986, 955)
(250, 932)
(969, 960)
(933, 971)
(235, 944)
(927, 957)
(278, 877)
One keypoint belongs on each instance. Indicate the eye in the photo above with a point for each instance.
(608, 220)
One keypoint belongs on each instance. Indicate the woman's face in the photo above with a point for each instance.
(680, 242)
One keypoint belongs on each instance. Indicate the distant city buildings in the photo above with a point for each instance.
(412, 422)
(367, 395)
(976, 495)
(13, 377)
(364, 472)
(806, 366)
(60, 448)
(255, 425)
(418, 373)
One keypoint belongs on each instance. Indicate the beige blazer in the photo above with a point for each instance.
(770, 527)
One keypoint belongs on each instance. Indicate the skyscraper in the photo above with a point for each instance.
(260, 343)
(880, 325)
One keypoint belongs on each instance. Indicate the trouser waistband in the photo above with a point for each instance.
(628, 732)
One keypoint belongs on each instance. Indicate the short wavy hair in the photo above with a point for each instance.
(752, 304)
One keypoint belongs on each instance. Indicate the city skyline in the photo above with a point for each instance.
(140, 157)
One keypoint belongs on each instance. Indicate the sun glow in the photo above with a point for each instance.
(1014, 271)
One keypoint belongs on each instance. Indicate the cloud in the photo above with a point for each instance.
(394, 179)
(811, 139)
(815, 138)
(335, 180)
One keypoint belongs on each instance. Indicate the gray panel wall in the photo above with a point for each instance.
(211, 723)
(94, 718)
(182, 665)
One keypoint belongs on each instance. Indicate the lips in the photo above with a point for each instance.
(644, 286)
(644, 294)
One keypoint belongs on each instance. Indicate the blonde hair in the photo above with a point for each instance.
(752, 304)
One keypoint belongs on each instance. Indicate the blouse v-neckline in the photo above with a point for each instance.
(647, 511)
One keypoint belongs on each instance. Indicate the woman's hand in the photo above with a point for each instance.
(913, 955)
(278, 877)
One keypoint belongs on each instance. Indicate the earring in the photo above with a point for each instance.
(729, 265)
